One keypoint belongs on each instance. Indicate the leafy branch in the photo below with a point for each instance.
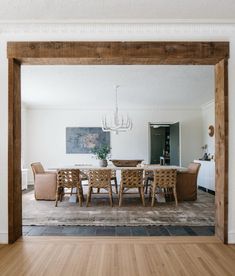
(102, 152)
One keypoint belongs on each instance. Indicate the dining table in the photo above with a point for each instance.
(112, 167)
(146, 167)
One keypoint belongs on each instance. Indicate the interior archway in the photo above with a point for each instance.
(204, 53)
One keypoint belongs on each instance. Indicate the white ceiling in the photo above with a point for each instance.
(117, 10)
(92, 87)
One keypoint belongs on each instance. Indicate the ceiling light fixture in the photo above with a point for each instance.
(119, 122)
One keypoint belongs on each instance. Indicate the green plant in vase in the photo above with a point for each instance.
(102, 153)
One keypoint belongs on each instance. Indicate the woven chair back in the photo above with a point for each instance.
(132, 178)
(68, 178)
(99, 178)
(165, 178)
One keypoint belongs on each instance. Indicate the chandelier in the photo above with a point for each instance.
(119, 122)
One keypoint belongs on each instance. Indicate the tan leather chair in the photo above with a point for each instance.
(44, 182)
(186, 186)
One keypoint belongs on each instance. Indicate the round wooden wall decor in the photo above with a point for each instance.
(211, 131)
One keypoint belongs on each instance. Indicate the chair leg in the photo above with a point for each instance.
(80, 195)
(171, 194)
(153, 196)
(56, 198)
(111, 196)
(120, 196)
(116, 185)
(164, 190)
(146, 185)
(150, 192)
(79, 199)
(175, 196)
(88, 196)
(142, 195)
(61, 193)
(81, 188)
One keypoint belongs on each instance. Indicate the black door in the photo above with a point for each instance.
(174, 144)
(158, 136)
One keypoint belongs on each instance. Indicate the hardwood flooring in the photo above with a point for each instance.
(122, 256)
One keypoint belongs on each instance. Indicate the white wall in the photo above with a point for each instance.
(111, 32)
(141, 86)
(24, 136)
(46, 135)
(208, 118)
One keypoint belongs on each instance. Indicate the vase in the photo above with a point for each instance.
(103, 163)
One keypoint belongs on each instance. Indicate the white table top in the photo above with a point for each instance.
(145, 167)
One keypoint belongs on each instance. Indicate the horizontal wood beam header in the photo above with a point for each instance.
(118, 52)
(115, 61)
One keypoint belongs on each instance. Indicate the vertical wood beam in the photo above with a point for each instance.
(221, 149)
(14, 151)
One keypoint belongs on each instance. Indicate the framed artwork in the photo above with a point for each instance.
(84, 139)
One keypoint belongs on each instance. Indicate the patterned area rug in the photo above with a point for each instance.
(132, 213)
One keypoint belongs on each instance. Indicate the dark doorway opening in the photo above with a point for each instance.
(165, 144)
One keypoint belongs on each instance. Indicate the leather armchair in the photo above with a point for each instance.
(45, 183)
(186, 186)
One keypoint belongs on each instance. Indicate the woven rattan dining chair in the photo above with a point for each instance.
(100, 179)
(69, 178)
(113, 181)
(131, 179)
(164, 179)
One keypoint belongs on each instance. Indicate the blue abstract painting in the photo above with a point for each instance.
(84, 139)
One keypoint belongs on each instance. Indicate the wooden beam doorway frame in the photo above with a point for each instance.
(118, 53)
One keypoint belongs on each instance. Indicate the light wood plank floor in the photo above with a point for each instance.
(117, 256)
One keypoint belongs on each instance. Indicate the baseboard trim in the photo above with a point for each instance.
(231, 237)
(3, 238)
(206, 190)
